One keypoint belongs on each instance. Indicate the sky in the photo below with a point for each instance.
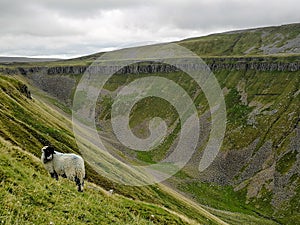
(71, 28)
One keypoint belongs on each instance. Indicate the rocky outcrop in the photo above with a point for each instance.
(234, 63)
(215, 64)
(53, 80)
(9, 71)
(66, 70)
(60, 87)
(75, 70)
(252, 64)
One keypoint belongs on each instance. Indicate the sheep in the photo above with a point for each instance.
(69, 166)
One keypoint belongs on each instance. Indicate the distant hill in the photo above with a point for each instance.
(4, 59)
(275, 40)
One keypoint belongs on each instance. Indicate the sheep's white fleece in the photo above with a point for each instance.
(70, 165)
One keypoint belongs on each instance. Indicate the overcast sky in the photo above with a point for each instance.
(68, 28)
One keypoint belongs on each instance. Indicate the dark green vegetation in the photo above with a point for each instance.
(254, 179)
(286, 162)
(237, 112)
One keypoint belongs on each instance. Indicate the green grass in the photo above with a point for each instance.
(29, 196)
(225, 198)
(148, 108)
(21, 121)
(286, 162)
(237, 112)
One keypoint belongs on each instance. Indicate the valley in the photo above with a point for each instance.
(253, 180)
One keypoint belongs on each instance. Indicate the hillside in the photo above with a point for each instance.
(278, 40)
(27, 192)
(24, 59)
(255, 177)
(30, 196)
(29, 121)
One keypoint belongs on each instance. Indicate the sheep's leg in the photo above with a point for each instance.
(54, 175)
(78, 183)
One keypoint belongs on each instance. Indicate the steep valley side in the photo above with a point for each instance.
(259, 159)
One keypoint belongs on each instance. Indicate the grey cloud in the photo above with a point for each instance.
(72, 8)
(206, 15)
(79, 26)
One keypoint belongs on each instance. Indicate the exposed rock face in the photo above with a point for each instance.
(75, 70)
(285, 184)
(236, 166)
(255, 171)
(255, 65)
(291, 46)
(249, 63)
(58, 86)
(54, 81)
(256, 162)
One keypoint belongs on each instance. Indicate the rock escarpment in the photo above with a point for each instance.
(232, 64)
(60, 81)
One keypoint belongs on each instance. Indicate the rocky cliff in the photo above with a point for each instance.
(232, 63)
(60, 81)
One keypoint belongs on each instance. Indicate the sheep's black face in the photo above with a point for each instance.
(48, 152)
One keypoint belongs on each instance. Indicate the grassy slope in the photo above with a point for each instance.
(29, 196)
(30, 124)
(245, 42)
